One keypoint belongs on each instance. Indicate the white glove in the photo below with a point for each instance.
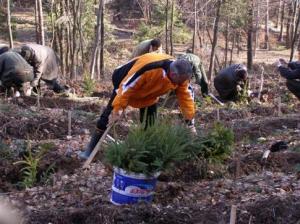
(239, 88)
(34, 83)
(192, 129)
(278, 63)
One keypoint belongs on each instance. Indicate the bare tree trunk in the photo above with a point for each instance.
(256, 34)
(195, 26)
(37, 23)
(102, 43)
(171, 27)
(250, 33)
(295, 4)
(280, 38)
(97, 40)
(215, 41)
(61, 35)
(52, 24)
(41, 22)
(232, 48)
(166, 28)
(278, 14)
(201, 40)
(238, 38)
(295, 37)
(211, 42)
(97, 69)
(267, 26)
(75, 28)
(11, 43)
(226, 40)
(288, 27)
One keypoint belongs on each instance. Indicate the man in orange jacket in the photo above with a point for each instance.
(139, 83)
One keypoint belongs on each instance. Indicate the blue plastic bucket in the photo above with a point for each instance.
(130, 188)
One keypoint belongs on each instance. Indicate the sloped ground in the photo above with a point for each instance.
(263, 193)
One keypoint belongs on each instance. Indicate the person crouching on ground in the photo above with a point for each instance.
(46, 66)
(139, 83)
(15, 72)
(231, 81)
(291, 72)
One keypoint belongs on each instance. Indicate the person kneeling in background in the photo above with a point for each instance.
(291, 72)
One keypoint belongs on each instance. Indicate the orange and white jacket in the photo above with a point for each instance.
(147, 80)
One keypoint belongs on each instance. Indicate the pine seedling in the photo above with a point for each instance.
(89, 85)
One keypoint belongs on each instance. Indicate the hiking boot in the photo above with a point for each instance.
(93, 142)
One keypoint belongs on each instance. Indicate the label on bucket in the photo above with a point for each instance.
(133, 187)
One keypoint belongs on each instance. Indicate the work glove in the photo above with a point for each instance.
(282, 61)
(191, 126)
(26, 89)
(192, 129)
(239, 88)
(114, 117)
(34, 83)
(278, 64)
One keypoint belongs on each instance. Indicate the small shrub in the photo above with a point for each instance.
(160, 146)
(31, 164)
(243, 95)
(151, 150)
(89, 85)
(216, 146)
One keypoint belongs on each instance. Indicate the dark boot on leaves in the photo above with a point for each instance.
(93, 142)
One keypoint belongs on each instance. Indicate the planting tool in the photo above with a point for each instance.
(97, 147)
(216, 99)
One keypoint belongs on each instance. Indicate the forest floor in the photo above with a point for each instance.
(66, 193)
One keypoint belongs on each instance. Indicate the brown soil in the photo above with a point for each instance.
(276, 162)
(273, 210)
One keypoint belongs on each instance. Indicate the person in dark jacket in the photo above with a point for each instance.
(3, 48)
(230, 81)
(139, 83)
(291, 72)
(15, 72)
(198, 71)
(46, 65)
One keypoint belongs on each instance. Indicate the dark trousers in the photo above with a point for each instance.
(54, 85)
(294, 87)
(147, 114)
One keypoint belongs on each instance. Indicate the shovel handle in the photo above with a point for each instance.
(97, 147)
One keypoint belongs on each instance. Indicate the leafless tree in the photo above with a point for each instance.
(11, 43)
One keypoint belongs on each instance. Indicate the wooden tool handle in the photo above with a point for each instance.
(97, 147)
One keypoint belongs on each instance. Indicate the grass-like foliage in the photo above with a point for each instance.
(89, 85)
(216, 146)
(151, 150)
(163, 144)
(31, 163)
